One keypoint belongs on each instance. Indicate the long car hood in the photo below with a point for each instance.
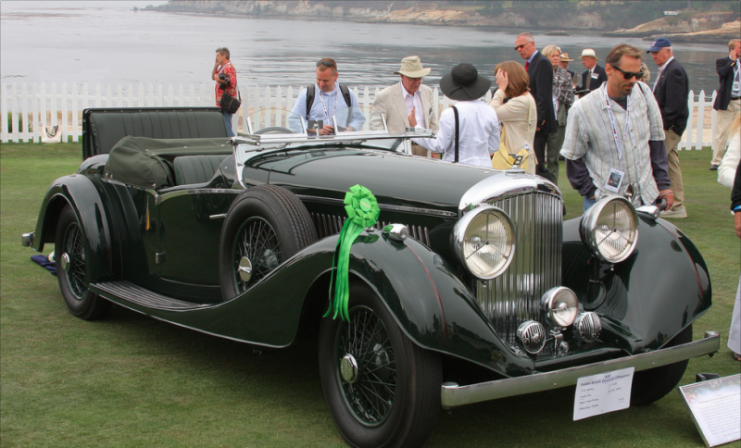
(393, 178)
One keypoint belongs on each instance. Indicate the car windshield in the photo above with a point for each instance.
(353, 125)
(274, 121)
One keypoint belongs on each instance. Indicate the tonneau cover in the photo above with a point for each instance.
(144, 162)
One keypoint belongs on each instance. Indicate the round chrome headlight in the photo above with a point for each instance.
(560, 306)
(484, 240)
(610, 229)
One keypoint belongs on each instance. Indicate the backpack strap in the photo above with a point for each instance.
(346, 94)
(455, 112)
(310, 93)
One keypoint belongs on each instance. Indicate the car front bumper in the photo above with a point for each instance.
(453, 395)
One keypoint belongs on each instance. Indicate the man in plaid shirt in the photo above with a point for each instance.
(607, 137)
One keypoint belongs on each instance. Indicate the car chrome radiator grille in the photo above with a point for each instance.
(514, 296)
(326, 225)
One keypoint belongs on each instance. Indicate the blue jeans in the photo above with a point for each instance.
(228, 121)
(588, 203)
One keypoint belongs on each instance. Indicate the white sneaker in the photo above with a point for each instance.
(680, 212)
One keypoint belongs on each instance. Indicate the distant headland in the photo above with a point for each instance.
(698, 21)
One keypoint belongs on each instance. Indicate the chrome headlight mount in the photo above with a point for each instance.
(610, 229)
(484, 241)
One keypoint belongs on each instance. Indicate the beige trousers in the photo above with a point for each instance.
(675, 171)
(724, 120)
(419, 150)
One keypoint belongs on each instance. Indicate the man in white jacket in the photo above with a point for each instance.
(408, 97)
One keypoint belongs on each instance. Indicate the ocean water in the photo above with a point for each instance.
(108, 43)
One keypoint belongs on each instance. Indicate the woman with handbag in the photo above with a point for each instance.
(516, 109)
(226, 87)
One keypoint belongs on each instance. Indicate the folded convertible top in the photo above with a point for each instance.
(143, 162)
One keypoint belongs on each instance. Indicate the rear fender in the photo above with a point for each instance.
(84, 195)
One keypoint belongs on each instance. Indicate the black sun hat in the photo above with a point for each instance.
(463, 83)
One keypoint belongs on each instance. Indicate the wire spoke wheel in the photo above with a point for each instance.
(381, 388)
(371, 395)
(265, 226)
(72, 260)
(74, 249)
(257, 241)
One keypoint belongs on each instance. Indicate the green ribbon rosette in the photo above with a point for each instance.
(362, 212)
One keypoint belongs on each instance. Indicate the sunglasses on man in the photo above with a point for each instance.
(326, 64)
(628, 75)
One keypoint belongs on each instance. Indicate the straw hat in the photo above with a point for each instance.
(463, 83)
(411, 66)
(589, 53)
(565, 57)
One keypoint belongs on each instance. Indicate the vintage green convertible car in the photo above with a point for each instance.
(469, 288)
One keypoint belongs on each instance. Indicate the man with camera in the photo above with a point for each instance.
(319, 102)
(226, 81)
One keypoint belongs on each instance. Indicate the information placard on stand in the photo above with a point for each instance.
(715, 406)
(603, 393)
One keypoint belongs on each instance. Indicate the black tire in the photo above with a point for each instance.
(267, 225)
(651, 385)
(71, 253)
(395, 398)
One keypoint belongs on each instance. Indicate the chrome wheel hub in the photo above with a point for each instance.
(349, 368)
(65, 262)
(245, 269)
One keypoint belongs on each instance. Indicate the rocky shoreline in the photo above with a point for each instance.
(700, 28)
(684, 27)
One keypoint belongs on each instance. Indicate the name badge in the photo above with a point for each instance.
(735, 86)
(614, 180)
(595, 75)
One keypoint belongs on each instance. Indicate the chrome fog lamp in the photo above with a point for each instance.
(560, 306)
(610, 229)
(587, 327)
(484, 241)
(532, 336)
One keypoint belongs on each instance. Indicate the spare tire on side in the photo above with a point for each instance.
(264, 226)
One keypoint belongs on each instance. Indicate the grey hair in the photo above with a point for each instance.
(527, 36)
(224, 51)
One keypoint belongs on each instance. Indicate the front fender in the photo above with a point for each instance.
(430, 303)
(85, 196)
(647, 299)
(421, 290)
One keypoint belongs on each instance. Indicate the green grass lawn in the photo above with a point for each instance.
(131, 381)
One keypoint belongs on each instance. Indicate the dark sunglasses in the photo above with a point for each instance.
(520, 46)
(628, 75)
(325, 63)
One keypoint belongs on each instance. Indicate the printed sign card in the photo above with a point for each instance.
(716, 408)
(603, 393)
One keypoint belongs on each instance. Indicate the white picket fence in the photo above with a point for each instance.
(27, 111)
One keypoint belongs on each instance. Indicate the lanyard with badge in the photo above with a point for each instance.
(736, 77)
(325, 107)
(615, 178)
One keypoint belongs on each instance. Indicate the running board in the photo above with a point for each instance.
(132, 293)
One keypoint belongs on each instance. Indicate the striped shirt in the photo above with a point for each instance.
(589, 135)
